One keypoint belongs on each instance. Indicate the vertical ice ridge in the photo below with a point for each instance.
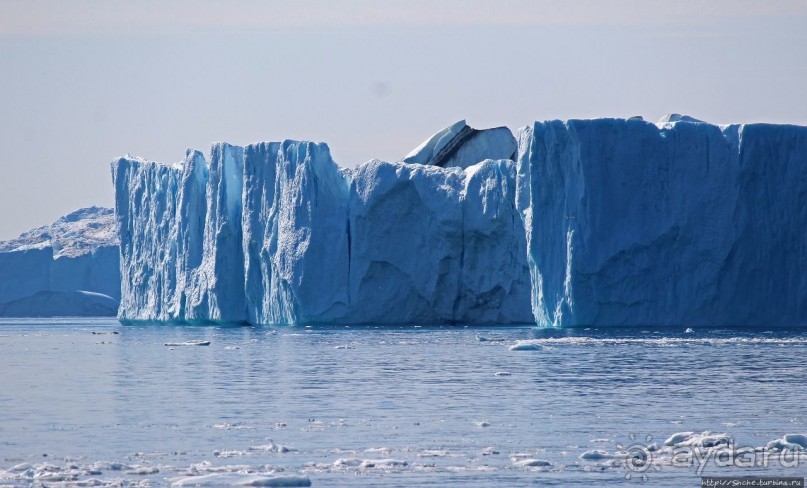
(146, 200)
(680, 223)
(218, 292)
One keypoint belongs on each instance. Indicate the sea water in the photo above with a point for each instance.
(94, 402)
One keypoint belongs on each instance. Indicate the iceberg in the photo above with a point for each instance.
(308, 242)
(605, 222)
(437, 245)
(70, 267)
(684, 222)
(296, 240)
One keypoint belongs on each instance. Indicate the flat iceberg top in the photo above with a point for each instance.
(77, 233)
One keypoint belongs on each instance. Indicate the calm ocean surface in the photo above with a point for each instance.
(95, 402)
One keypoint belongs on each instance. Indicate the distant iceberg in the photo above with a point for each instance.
(578, 223)
(70, 267)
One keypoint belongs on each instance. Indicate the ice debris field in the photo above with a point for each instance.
(679, 450)
(582, 222)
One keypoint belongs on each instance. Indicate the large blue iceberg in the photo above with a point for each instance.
(277, 233)
(631, 223)
(577, 223)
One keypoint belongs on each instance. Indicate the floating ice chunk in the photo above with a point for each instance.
(142, 470)
(596, 455)
(677, 438)
(237, 479)
(704, 439)
(789, 442)
(342, 462)
(188, 343)
(383, 463)
(272, 447)
(526, 345)
(531, 463)
(109, 466)
(796, 439)
(369, 463)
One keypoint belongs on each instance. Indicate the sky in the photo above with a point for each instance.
(86, 81)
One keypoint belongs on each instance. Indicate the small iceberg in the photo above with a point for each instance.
(188, 343)
(237, 479)
(532, 463)
(789, 442)
(528, 345)
(596, 455)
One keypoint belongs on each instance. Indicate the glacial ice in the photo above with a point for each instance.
(597, 222)
(311, 243)
(460, 145)
(70, 267)
(630, 223)
(789, 442)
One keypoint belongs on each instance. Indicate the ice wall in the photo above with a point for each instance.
(70, 267)
(307, 242)
(435, 245)
(296, 237)
(217, 291)
(161, 220)
(598, 222)
(685, 223)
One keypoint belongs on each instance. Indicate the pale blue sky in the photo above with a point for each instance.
(85, 81)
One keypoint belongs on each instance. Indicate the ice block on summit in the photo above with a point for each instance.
(461, 145)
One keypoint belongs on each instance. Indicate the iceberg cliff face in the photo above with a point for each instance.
(307, 242)
(147, 218)
(629, 223)
(70, 267)
(437, 245)
(217, 293)
(598, 222)
(295, 233)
